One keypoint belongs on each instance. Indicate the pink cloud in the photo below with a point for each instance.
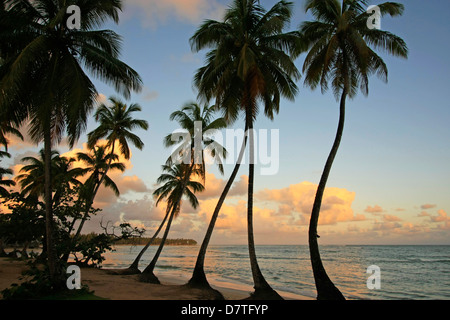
(154, 12)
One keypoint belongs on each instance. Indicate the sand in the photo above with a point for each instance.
(127, 287)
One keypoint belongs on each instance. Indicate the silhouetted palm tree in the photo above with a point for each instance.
(249, 63)
(178, 182)
(340, 53)
(42, 76)
(198, 127)
(32, 177)
(98, 164)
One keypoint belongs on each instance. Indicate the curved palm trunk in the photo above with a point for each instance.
(262, 288)
(147, 275)
(51, 255)
(326, 290)
(94, 194)
(135, 265)
(198, 277)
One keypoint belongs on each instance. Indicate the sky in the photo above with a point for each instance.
(390, 183)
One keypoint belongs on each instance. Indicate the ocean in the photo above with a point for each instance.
(405, 272)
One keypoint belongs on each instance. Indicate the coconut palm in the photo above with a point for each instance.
(196, 123)
(98, 163)
(178, 182)
(341, 52)
(5, 182)
(42, 76)
(115, 125)
(32, 177)
(249, 63)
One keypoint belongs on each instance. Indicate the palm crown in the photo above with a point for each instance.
(340, 42)
(249, 60)
(116, 125)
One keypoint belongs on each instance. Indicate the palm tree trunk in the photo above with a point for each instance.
(94, 194)
(147, 275)
(198, 277)
(262, 288)
(135, 265)
(51, 255)
(326, 290)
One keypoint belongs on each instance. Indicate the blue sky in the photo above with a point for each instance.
(395, 154)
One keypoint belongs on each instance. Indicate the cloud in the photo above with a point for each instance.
(390, 218)
(299, 198)
(155, 12)
(427, 206)
(150, 95)
(126, 184)
(441, 217)
(374, 209)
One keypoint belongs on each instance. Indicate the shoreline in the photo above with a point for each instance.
(128, 287)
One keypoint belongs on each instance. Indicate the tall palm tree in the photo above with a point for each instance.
(177, 183)
(116, 125)
(249, 63)
(341, 51)
(199, 126)
(5, 182)
(42, 75)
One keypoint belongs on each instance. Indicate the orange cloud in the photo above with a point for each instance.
(299, 198)
(374, 209)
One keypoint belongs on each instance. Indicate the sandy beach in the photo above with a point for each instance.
(127, 287)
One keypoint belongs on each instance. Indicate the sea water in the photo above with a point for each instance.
(406, 272)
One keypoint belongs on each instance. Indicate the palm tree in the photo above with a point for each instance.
(339, 43)
(116, 125)
(98, 164)
(5, 182)
(8, 128)
(42, 75)
(178, 183)
(194, 120)
(32, 177)
(249, 62)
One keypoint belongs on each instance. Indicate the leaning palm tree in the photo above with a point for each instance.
(341, 51)
(116, 123)
(42, 76)
(249, 63)
(198, 127)
(98, 163)
(178, 182)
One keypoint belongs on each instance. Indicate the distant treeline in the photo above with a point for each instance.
(156, 242)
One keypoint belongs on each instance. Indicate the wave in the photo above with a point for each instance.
(168, 267)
